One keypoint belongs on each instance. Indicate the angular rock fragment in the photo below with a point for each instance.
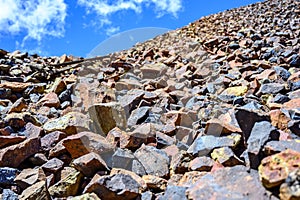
(7, 176)
(70, 123)
(29, 177)
(38, 191)
(155, 183)
(174, 192)
(274, 169)
(226, 157)
(227, 183)
(290, 188)
(202, 163)
(155, 161)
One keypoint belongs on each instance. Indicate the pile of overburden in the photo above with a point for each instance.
(208, 111)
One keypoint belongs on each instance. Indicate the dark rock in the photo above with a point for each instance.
(5, 93)
(294, 126)
(280, 98)
(180, 162)
(7, 176)
(114, 187)
(261, 133)
(53, 165)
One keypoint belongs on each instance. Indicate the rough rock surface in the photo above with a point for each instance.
(210, 110)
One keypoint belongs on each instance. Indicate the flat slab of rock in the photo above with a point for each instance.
(228, 183)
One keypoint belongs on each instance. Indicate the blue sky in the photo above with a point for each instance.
(75, 27)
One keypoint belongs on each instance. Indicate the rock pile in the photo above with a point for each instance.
(208, 111)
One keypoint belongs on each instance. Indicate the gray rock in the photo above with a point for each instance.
(174, 193)
(7, 175)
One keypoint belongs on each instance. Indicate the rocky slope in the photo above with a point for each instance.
(208, 111)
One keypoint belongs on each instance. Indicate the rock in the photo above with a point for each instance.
(53, 166)
(247, 116)
(123, 158)
(131, 100)
(7, 176)
(290, 188)
(227, 183)
(50, 100)
(18, 106)
(89, 164)
(67, 186)
(138, 116)
(107, 116)
(180, 162)
(274, 169)
(155, 183)
(292, 104)
(15, 86)
(87, 196)
(38, 159)
(14, 155)
(203, 145)
(294, 126)
(274, 147)
(8, 194)
(202, 163)
(261, 133)
(270, 88)
(114, 187)
(132, 174)
(29, 177)
(152, 71)
(85, 142)
(217, 127)
(155, 161)
(190, 178)
(118, 138)
(174, 193)
(5, 93)
(10, 140)
(38, 191)
(71, 123)
(51, 139)
(226, 157)
(279, 119)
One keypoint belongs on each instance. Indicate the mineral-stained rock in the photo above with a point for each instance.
(85, 142)
(274, 169)
(114, 187)
(67, 186)
(14, 155)
(118, 137)
(226, 157)
(261, 133)
(7, 175)
(203, 145)
(15, 86)
(174, 193)
(227, 183)
(87, 196)
(152, 71)
(190, 178)
(107, 116)
(279, 119)
(290, 189)
(18, 106)
(155, 183)
(28, 177)
(70, 123)
(38, 191)
(89, 164)
(155, 161)
(202, 163)
(292, 104)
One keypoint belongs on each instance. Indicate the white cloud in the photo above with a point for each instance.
(105, 8)
(111, 30)
(37, 18)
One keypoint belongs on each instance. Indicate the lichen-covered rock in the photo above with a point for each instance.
(274, 169)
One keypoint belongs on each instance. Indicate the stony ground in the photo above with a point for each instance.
(208, 111)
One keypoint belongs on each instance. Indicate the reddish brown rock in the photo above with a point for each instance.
(38, 191)
(14, 155)
(279, 119)
(202, 163)
(274, 169)
(18, 106)
(217, 127)
(155, 183)
(28, 177)
(10, 140)
(292, 104)
(118, 138)
(89, 164)
(50, 100)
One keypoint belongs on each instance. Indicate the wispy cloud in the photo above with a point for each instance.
(104, 9)
(36, 18)
(111, 30)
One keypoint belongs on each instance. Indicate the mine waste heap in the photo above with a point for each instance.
(208, 111)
